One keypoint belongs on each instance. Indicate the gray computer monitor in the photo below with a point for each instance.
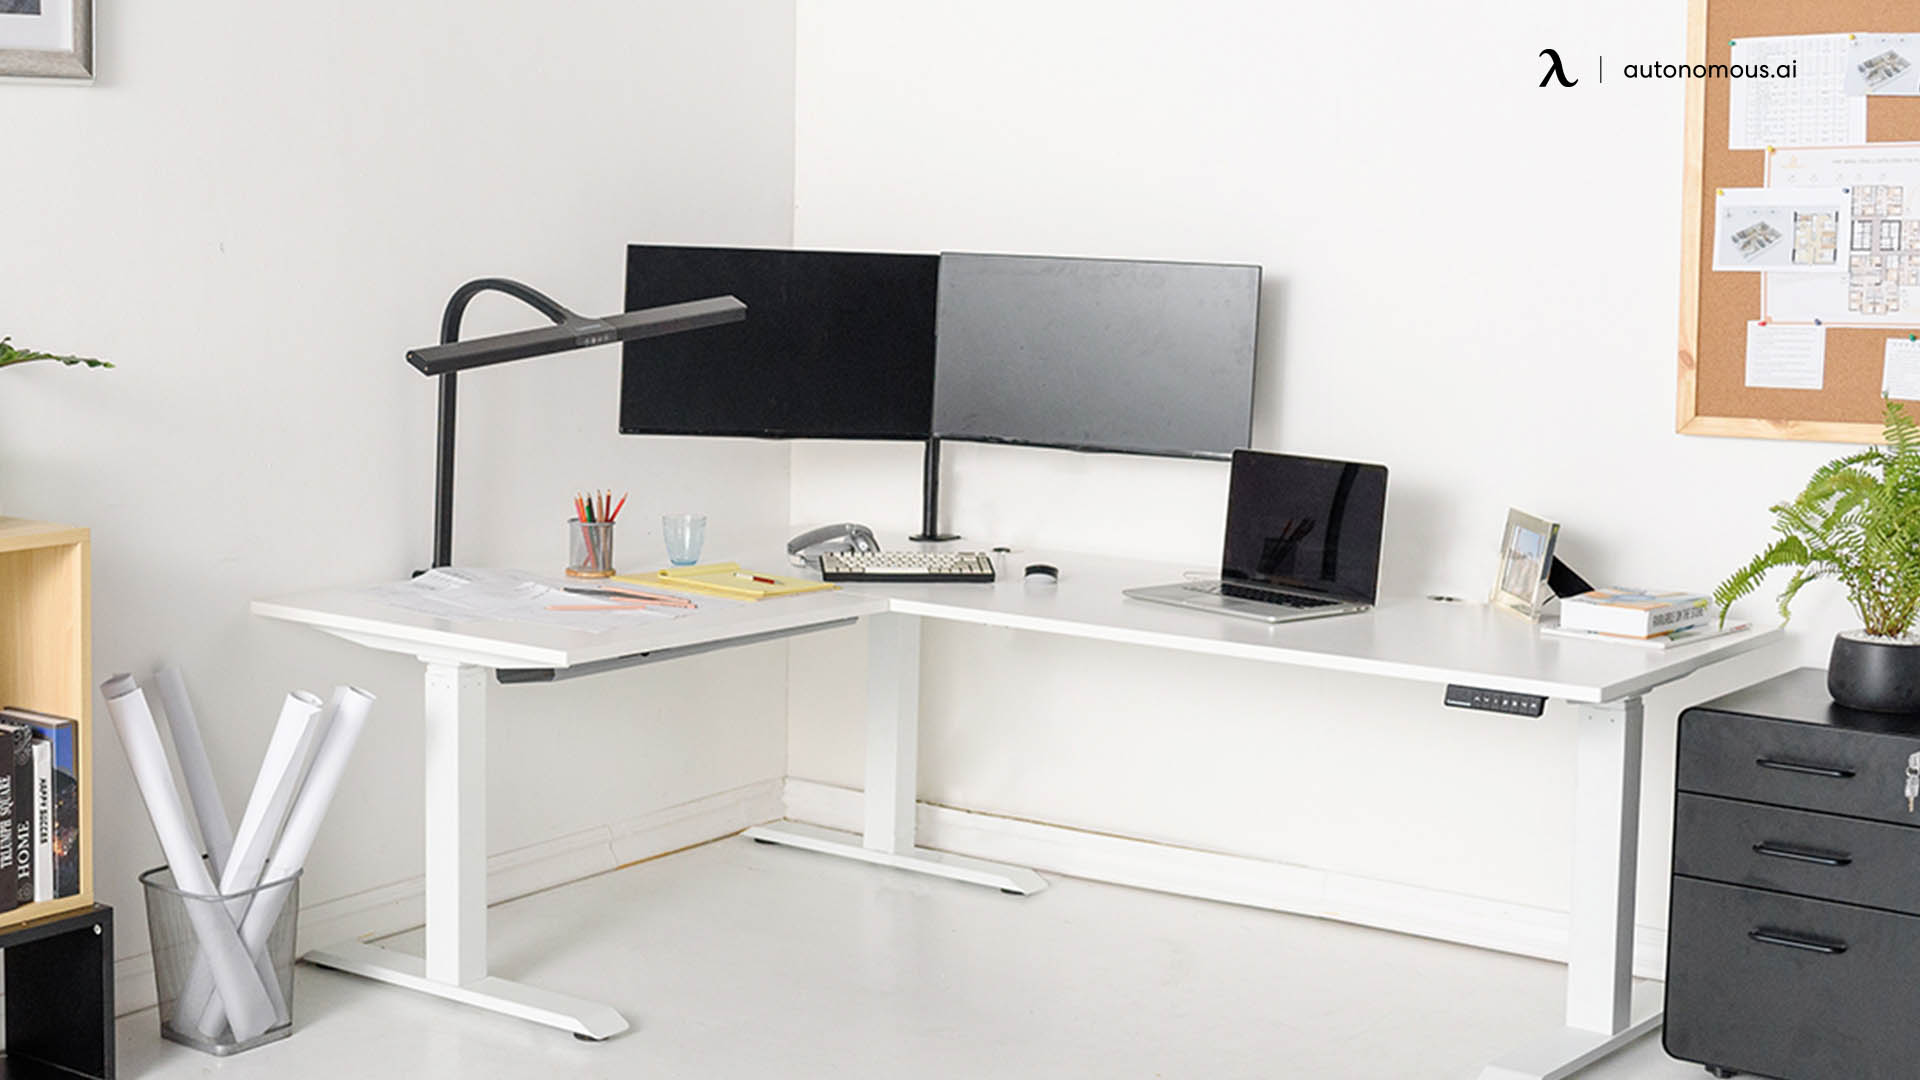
(1096, 354)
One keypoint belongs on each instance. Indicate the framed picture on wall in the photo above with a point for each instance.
(1526, 558)
(46, 39)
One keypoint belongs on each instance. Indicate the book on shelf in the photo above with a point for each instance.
(1636, 613)
(42, 819)
(16, 808)
(62, 737)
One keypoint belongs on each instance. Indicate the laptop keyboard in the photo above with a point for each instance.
(1268, 596)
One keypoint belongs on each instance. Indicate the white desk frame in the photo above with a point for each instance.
(458, 658)
(1409, 639)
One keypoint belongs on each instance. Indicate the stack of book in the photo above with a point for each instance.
(39, 807)
(1647, 617)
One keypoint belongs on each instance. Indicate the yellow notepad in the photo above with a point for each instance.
(725, 579)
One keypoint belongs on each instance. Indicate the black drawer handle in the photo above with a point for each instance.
(1804, 768)
(1782, 851)
(1789, 941)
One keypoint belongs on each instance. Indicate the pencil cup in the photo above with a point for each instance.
(684, 533)
(590, 548)
(176, 952)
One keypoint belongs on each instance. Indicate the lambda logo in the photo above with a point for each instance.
(1554, 70)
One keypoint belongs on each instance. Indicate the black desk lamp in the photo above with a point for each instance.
(569, 331)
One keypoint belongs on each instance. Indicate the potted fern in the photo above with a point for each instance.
(1857, 522)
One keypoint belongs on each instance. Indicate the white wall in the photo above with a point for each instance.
(255, 211)
(1468, 278)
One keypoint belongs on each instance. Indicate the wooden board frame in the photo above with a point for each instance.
(1690, 419)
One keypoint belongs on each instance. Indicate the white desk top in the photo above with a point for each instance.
(354, 615)
(1404, 638)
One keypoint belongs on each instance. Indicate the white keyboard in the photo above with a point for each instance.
(906, 566)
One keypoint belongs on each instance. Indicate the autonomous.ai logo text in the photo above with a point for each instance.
(1555, 70)
(1657, 70)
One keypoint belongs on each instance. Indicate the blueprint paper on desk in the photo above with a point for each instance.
(513, 596)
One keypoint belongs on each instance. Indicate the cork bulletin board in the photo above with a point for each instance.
(1715, 306)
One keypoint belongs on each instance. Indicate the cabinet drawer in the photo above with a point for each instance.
(1812, 767)
(1779, 985)
(1816, 855)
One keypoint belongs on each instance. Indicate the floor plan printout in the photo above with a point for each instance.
(1808, 108)
(1883, 64)
(1798, 229)
(1881, 248)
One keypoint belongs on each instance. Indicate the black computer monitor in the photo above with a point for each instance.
(1096, 354)
(836, 345)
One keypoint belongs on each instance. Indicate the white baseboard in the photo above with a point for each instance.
(1236, 879)
(390, 909)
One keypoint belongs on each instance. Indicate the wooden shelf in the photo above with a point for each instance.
(46, 658)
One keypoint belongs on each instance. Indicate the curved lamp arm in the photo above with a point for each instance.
(569, 331)
(450, 392)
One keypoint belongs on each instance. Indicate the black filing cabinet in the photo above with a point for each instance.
(1793, 946)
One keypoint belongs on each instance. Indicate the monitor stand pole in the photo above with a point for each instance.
(930, 498)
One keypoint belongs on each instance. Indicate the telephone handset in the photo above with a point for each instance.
(806, 549)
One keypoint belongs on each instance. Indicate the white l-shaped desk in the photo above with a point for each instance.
(1418, 639)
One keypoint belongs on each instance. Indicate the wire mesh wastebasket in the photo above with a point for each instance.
(191, 1009)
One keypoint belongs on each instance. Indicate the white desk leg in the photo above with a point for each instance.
(456, 802)
(1603, 1011)
(893, 746)
(455, 966)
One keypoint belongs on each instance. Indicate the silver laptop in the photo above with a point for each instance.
(1303, 541)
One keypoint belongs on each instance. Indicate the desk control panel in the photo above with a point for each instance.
(1500, 701)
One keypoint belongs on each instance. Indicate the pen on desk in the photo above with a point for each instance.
(758, 578)
(634, 594)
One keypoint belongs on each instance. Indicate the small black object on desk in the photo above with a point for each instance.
(1794, 940)
(1043, 573)
(59, 978)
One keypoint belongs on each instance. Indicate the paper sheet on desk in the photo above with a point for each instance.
(465, 593)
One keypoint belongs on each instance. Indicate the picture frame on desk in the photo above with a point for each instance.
(46, 39)
(1526, 558)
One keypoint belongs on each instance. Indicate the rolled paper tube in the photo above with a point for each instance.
(273, 792)
(303, 826)
(216, 829)
(239, 986)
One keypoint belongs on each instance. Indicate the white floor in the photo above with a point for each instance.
(741, 960)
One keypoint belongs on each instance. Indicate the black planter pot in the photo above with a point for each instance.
(1874, 673)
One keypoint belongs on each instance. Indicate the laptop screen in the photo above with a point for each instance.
(1305, 523)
